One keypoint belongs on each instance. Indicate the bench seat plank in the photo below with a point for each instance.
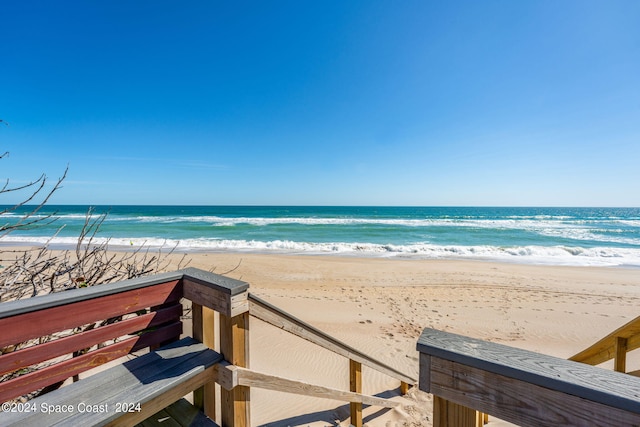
(118, 378)
(61, 371)
(136, 381)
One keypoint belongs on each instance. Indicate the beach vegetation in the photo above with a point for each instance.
(38, 270)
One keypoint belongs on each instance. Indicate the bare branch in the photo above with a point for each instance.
(36, 187)
(40, 270)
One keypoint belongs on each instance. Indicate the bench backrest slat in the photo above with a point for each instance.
(35, 324)
(146, 316)
(32, 355)
(70, 367)
(63, 370)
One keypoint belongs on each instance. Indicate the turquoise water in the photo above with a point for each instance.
(563, 236)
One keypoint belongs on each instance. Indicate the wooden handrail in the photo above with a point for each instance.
(613, 346)
(230, 376)
(271, 314)
(520, 386)
(23, 306)
(149, 310)
(194, 276)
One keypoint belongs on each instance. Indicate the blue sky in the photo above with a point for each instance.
(324, 103)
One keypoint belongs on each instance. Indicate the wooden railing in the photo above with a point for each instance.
(103, 323)
(229, 298)
(146, 312)
(87, 323)
(614, 346)
(466, 375)
(270, 314)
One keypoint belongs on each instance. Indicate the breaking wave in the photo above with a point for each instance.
(554, 255)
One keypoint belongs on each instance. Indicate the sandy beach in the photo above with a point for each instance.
(371, 168)
(380, 306)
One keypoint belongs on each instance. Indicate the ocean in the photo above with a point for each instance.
(556, 236)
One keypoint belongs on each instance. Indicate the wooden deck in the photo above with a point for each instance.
(99, 324)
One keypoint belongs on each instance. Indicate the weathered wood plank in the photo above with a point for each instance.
(164, 334)
(519, 401)
(278, 318)
(215, 299)
(140, 380)
(226, 375)
(424, 383)
(598, 385)
(61, 371)
(215, 281)
(29, 356)
(222, 294)
(166, 391)
(36, 324)
(14, 308)
(119, 379)
(171, 380)
(253, 378)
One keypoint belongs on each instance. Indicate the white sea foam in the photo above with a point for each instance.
(554, 255)
(540, 223)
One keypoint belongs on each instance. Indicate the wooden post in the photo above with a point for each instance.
(203, 320)
(355, 385)
(234, 346)
(481, 419)
(449, 414)
(620, 358)
(404, 388)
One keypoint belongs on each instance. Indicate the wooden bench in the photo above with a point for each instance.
(50, 339)
(527, 388)
(117, 395)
